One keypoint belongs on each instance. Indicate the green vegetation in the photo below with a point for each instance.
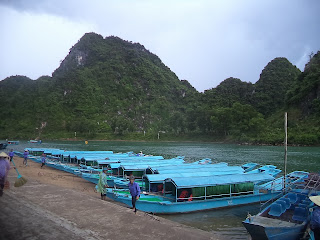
(108, 88)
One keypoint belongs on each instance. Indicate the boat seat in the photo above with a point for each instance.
(303, 205)
(300, 214)
(301, 197)
(307, 201)
(292, 197)
(287, 201)
(275, 209)
(283, 205)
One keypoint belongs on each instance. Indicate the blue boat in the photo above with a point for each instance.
(287, 218)
(189, 194)
(35, 141)
(270, 169)
(293, 178)
(13, 142)
(249, 166)
(153, 182)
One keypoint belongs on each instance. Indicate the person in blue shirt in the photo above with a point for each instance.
(43, 160)
(134, 191)
(11, 154)
(25, 157)
(315, 219)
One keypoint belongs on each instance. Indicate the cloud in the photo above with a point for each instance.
(35, 44)
(202, 41)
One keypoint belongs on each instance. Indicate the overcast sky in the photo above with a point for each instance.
(202, 41)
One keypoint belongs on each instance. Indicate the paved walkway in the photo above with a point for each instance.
(41, 211)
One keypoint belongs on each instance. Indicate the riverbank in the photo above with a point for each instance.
(58, 205)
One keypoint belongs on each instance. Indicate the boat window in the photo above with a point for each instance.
(170, 188)
(137, 174)
(184, 194)
(198, 193)
(156, 187)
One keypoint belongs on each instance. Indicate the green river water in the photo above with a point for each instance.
(226, 222)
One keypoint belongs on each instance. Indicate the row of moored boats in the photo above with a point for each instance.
(175, 186)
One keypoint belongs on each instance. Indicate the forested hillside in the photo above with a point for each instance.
(109, 88)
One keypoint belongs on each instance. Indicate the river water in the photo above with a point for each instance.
(225, 222)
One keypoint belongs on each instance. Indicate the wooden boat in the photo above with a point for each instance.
(188, 194)
(13, 142)
(287, 218)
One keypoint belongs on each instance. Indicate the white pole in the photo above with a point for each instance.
(285, 146)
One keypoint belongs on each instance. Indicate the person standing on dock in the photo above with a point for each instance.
(11, 154)
(25, 157)
(102, 184)
(43, 160)
(4, 170)
(315, 219)
(134, 191)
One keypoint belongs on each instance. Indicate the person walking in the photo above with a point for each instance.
(315, 219)
(43, 160)
(134, 191)
(102, 184)
(4, 170)
(11, 154)
(25, 157)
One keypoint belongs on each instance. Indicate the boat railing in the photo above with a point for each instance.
(221, 195)
(295, 183)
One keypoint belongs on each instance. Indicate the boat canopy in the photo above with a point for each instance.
(200, 168)
(155, 163)
(189, 182)
(191, 165)
(152, 178)
(222, 170)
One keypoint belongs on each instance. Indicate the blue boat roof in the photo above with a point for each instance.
(234, 169)
(250, 164)
(189, 182)
(144, 165)
(191, 165)
(162, 177)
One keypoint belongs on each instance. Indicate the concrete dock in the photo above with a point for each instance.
(43, 211)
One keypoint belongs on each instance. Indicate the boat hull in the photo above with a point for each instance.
(259, 232)
(168, 207)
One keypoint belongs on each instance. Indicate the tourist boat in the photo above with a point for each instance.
(286, 218)
(293, 178)
(13, 142)
(249, 166)
(35, 141)
(203, 161)
(270, 169)
(189, 194)
(163, 170)
(152, 182)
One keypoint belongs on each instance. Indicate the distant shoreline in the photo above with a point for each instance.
(174, 141)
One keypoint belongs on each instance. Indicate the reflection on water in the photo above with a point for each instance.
(224, 221)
